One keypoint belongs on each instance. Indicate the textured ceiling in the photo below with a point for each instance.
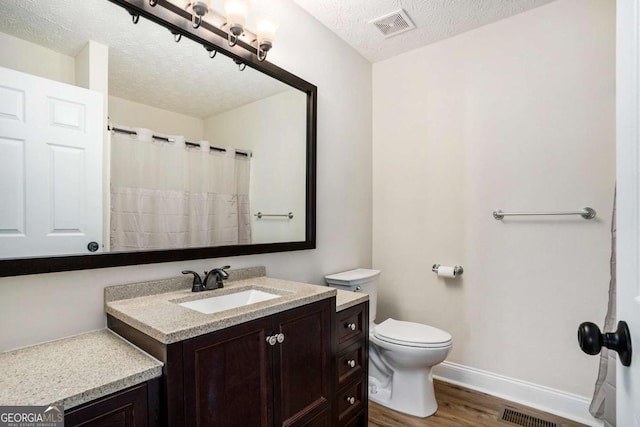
(434, 19)
(145, 64)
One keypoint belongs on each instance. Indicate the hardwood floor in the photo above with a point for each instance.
(460, 407)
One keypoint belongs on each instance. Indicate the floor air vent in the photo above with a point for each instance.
(393, 23)
(525, 420)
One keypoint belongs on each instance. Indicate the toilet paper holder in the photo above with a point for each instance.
(457, 269)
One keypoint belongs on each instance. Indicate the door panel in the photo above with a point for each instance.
(228, 378)
(305, 362)
(12, 210)
(67, 165)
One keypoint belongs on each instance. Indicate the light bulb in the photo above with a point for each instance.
(236, 12)
(265, 33)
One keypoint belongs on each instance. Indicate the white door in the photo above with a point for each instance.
(50, 167)
(628, 208)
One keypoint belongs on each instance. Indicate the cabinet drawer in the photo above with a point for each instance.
(350, 400)
(350, 363)
(351, 324)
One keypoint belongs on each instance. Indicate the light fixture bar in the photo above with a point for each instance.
(233, 26)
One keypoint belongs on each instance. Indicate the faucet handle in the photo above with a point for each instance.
(223, 271)
(197, 281)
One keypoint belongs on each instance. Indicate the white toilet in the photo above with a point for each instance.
(401, 354)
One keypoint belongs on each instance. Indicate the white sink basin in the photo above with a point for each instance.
(228, 301)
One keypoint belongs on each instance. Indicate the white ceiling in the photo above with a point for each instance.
(145, 64)
(434, 19)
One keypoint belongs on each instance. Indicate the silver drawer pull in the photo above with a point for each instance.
(280, 338)
(272, 339)
(351, 326)
(351, 363)
(351, 400)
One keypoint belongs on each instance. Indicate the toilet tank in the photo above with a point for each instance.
(358, 280)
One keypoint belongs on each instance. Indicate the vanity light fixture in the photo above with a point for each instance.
(233, 24)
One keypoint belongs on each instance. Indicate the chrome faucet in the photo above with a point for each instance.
(219, 274)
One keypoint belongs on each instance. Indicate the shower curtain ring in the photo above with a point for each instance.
(134, 17)
(212, 52)
(153, 3)
(241, 65)
(176, 36)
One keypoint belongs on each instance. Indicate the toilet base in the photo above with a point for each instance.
(409, 392)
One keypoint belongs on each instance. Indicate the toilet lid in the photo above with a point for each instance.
(412, 334)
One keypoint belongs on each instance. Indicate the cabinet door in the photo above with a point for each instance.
(126, 408)
(228, 377)
(303, 363)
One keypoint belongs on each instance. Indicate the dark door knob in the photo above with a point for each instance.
(93, 246)
(591, 340)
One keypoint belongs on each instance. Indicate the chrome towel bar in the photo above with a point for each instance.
(586, 213)
(260, 215)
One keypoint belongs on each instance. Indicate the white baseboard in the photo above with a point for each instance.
(546, 399)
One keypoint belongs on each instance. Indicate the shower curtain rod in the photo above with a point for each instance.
(166, 139)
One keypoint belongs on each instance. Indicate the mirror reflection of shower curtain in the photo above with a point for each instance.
(166, 195)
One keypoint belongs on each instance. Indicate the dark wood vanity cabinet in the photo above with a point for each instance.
(228, 377)
(351, 377)
(137, 406)
(236, 377)
(270, 372)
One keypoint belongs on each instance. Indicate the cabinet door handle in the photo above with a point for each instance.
(351, 326)
(351, 363)
(280, 338)
(351, 400)
(272, 339)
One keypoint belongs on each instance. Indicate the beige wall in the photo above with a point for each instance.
(134, 114)
(519, 116)
(43, 307)
(274, 129)
(27, 57)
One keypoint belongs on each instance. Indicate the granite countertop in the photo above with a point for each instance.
(73, 370)
(160, 317)
(346, 299)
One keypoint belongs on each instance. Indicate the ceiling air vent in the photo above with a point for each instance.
(393, 23)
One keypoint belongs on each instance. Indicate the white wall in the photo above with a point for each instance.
(519, 116)
(27, 57)
(44, 307)
(278, 172)
(124, 112)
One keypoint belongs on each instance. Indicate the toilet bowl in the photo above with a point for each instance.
(401, 353)
(409, 358)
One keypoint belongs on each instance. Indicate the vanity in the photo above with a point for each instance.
(299, 358)
(292, 359)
